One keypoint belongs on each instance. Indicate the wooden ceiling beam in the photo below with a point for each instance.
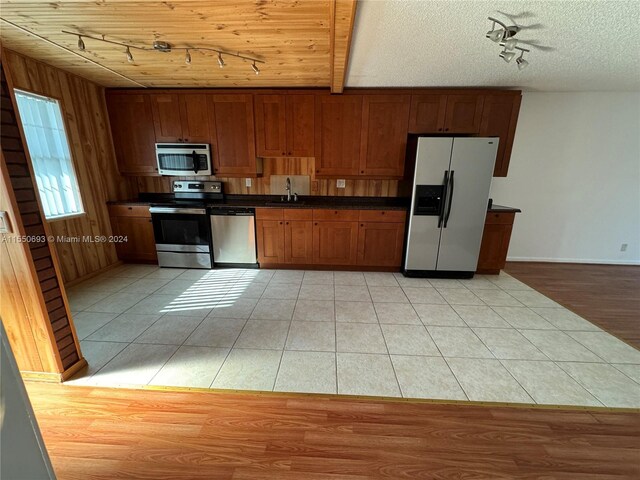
(342, 15)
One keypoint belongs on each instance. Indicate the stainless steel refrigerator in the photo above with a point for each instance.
(449, 205)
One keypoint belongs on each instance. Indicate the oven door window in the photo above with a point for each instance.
(180, 229)
(183, 162)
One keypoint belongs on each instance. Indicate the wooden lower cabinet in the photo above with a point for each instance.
(380, 244)
(134, 223)
(340, 238)
(495, 242)
(335, 243)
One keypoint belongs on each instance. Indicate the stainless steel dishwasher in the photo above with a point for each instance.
(233, 235)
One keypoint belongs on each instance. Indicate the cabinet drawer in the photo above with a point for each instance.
(505, 218)
(382, 216)
(269, 214)
(298, 214)
(129, 211)
(336, 215)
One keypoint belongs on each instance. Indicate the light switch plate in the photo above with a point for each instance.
(342, 183)
(247, 182)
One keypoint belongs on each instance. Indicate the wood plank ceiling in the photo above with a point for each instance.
(303, 43)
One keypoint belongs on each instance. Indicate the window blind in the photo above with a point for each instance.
(50, 155)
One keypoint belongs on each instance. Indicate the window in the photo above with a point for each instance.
(50, 155)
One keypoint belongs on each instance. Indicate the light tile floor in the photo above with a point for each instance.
(491, 338)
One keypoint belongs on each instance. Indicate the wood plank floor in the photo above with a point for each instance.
(99, 433)
(607, 295)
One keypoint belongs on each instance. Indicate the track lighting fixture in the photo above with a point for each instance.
(160, 46)
(503, 35)
(507, 56)
(521, 62)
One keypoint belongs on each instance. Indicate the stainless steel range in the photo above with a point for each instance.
(181, 229)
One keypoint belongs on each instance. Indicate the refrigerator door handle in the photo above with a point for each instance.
(446, 218)
(445, 182)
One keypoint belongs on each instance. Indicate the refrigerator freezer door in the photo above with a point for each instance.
(432, 160)
(472, 161)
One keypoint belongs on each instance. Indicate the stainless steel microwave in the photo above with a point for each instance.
(183, 159)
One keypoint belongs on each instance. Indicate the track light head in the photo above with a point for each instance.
(495, 35)
(129, 55)
(255, 68)
(220, 60)
(507, 56)
(187, 57)
(522, 63)
(80, 43)
(509, 43)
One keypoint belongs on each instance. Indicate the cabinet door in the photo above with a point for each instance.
(380, 244)
(270, 235)
(271, 128)
(298, 242)
(131, 122)
(338, 127)
(300, 125)
(335, 243)
(384, 135)
(166, 117)
(232, 121)
(464, 113)
(140, 244)
(194, 116)
(494, 247)
(427, 113)
(499, 118)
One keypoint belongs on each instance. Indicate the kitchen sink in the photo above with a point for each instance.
(285, 203)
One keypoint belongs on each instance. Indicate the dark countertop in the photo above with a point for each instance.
(267, 201)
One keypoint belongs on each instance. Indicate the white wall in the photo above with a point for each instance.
(575, 173)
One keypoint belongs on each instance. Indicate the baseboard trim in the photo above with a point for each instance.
(589, 261)
(54, 377)
(95, 273)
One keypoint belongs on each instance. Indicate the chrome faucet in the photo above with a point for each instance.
(288, 189)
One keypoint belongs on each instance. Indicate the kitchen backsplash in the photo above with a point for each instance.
(300, 166)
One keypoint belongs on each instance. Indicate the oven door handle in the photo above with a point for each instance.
(194, 211)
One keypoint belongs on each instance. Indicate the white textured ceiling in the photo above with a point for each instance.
(595, 45)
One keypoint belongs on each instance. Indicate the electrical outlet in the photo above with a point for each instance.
(341, 183)
(247, 182)
(623, 247)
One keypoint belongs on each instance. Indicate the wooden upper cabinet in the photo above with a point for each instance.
(180, 117)
(338, 129)
(445, 113)
(194, 115)
(300, 125)
(231, 118)
(271, 125)
(499, 119)
(384, 135)
(463, 113)
(284, 125)
(427, 113)
(131, 119)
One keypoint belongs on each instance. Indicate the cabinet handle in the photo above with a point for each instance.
(284, 154)
(361, 171)
(130, 208)
(383, 213)
(446, 129)
(286, 223)
(362, 224)
(317, 171)
(439, 129)
(289, 153)
(316, 224)
(280, 223)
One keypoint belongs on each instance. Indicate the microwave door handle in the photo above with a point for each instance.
(446, 218)
(445, 182)
(194, 156)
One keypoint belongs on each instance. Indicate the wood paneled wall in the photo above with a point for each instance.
(85, 115)
(34, 309)
(279, 166)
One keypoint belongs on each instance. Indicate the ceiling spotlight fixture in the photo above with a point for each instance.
(503, 35)
(507, 56)
(521, 62)
(165, 47)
